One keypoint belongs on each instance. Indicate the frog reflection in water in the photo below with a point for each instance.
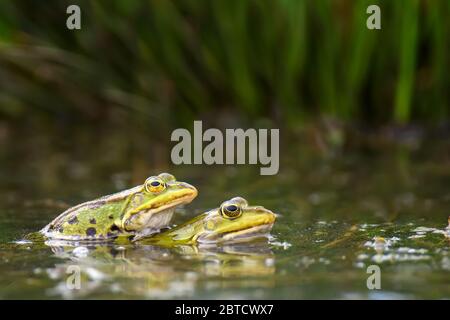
(233, 222)
(139, 211)
(161, 272)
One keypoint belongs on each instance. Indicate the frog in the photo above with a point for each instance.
(234, 221)
(141, 210)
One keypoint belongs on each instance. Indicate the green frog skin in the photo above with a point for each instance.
(233, 222)
(138, 211)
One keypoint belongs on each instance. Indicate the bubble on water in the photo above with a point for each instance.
(285, 245)
(411, 250)
(381, 243)
(23, 242)
(269, 262)
(362, 256)
(367, 226)
(423, 229)
(380, 258)
(95, 274)
(399, 257)
(416, 236)
(80, 252)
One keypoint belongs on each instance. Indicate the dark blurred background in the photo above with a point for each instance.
(139, 69)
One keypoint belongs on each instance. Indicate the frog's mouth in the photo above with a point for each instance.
(242, 235)
(158, 213)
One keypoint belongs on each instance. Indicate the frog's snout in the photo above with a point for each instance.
(269, 213)
(190, 190)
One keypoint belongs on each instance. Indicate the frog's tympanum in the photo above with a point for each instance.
(234, 221)
(139, 211)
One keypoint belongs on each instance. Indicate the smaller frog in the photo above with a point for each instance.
(233, 222)
(138, 211)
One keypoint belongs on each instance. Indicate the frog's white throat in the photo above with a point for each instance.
(152, 222)
(148, 221)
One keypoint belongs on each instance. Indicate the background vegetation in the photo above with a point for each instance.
(153, 65)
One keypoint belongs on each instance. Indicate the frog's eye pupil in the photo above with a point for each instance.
(155, 183)
(231, 211)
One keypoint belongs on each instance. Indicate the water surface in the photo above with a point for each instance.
(338, 215)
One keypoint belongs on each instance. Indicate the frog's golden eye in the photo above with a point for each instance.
(154, 185)
(230, 211)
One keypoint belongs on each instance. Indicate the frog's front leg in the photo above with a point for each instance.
(147, 232)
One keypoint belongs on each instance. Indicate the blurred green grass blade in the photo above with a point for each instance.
(292, 53)
(361, 45)
(231, 18)
(409, 12)
(285, 61)
(439, 28)
(327, 52)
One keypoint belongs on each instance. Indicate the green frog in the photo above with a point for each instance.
(138, 211)
(233, 222)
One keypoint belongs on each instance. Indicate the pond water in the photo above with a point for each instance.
(337, 216)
